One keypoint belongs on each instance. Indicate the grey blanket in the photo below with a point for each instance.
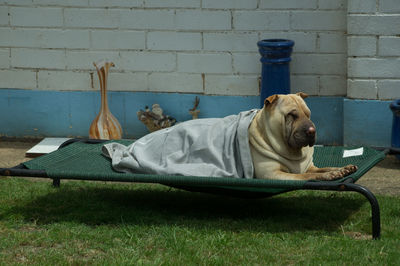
(217, 147)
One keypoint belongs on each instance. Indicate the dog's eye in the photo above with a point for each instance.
(293, 115)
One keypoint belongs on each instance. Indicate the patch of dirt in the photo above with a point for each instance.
(12, 153)
(358, 236)
(384, 178)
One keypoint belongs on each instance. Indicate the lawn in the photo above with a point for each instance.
(106, 223)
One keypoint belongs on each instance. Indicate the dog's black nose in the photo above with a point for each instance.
(311, 131)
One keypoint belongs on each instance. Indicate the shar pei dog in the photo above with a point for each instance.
(282, 137)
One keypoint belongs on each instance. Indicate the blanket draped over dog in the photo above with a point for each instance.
(216, 147)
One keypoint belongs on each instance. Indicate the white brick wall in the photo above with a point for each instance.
(104, 3)
(322, 20)
(172, 82)
(361, 45)
(205, 63)
(36, 17)
(202, 20)
(332, 85)
(172, 3)
(231, 85)
(4, 58)
(261, 20)
(288, 4)
(16, 79)
(375, 68)
(163, 19)
(367, 24)
(389, 6)
(117, 39)
(230, 4)
(147, 61)
(92, 18)
(125, 81)
(44, 38)
(374, 49)
(329, 4)
(360, 88)
(332, 42)
(50, 80)
(200, 46)
(246, 63)
(319, 64)
(388, 89)
(83, 59)
(305, 83)
(389, 46)
(3, 15)
(174, 41)
(234, 42)
(361, 6)
(37, 58)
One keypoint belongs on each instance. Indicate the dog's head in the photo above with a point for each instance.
(291, 117)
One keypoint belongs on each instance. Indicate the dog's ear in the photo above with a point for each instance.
(271, 99)
(302, 95)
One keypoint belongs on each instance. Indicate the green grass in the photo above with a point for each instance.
(98, 223)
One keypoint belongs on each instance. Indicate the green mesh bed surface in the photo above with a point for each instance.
(84, 161)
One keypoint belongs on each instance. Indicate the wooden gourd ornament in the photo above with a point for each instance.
(105, 125)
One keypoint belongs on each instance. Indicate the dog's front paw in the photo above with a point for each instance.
(339, 173)
(349, 169)
(332, 175)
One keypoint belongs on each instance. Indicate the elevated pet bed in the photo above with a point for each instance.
(83, 160)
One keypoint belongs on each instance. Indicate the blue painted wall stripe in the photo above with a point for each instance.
(52, 113)
(29, 113)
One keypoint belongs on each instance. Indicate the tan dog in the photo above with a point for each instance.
(281, 139)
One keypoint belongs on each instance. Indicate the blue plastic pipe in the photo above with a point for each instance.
(395, 107)
(275, 74)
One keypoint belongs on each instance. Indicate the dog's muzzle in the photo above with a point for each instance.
(303, 136)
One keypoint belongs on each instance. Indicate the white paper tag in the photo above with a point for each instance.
(351, 153)
(47, 145)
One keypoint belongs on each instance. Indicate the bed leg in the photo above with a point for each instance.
(376, 217)
(56, 182)
(348, 186)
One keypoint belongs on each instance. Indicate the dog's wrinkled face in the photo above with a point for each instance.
(298, 130)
